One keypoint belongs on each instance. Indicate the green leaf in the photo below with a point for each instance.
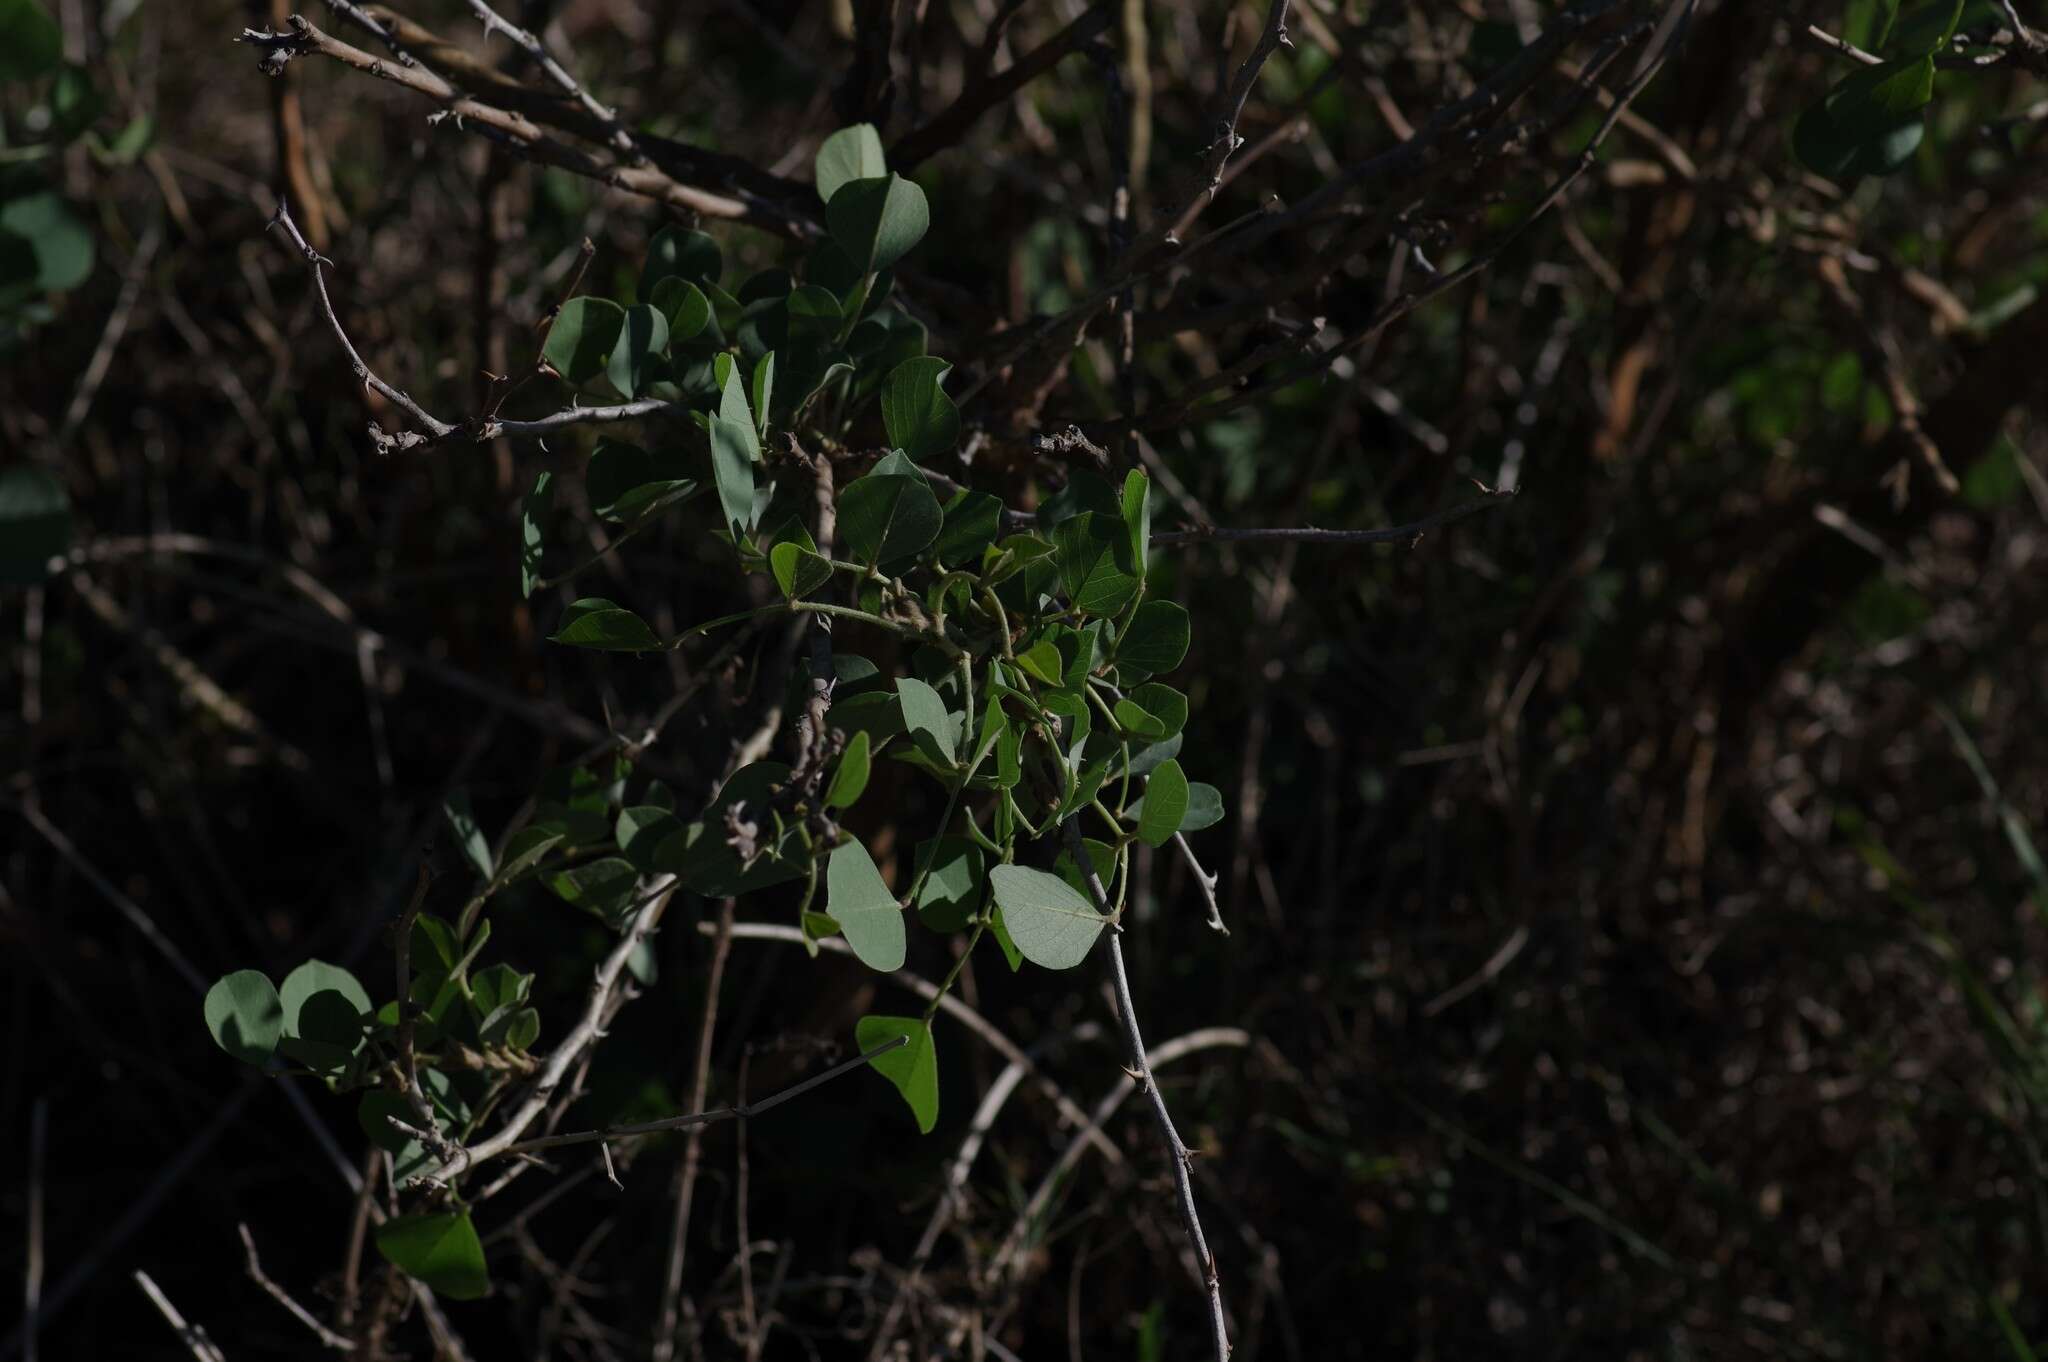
(61, 245)
(1163, 703)
(972, 522)
(853, 153)
(524, 1028)
(636, 359)
(702, 856)
(245, 1016)
(798, 571)
(1138, 517)
(1156, 639)
(864, 908)
(1133, 719)
(926, 720)
(733, 448)
(1165, 804)
(314, 977)
(1205, 807)
(1095, 565)
(679, 253)
(441, 1250)
(850, 778)
(1052, 925)
(877, 220)
(594, 622)
(582, 338)
(641, 829)
(604, 887)
(531, 512)
(525, 849)
(1001, 931)
(814, 314)
(1042, 662)
(921, 420)
(31, 44)
(764, 390)
(35, 522)
(1925, 30)
(890, 517)
(685, 307)
(913, 1068)
(951, 892)
(476, 848)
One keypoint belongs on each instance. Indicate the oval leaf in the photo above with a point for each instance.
(1052, 925)
(921, 420)
(441, 1250)
(679, 253)
(877, 220)
(636, 359)
(853, 153)
(594, 622)
(581, 340)
(851, 776)
(864, 908)
(35, 523)
(888, 517)
(1165, 804)
(245, 1016)
(1157, 638)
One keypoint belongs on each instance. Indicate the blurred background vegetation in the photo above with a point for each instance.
(1633, 891)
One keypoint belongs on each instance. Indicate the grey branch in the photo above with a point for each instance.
(1141, 1068)
(1393, 534)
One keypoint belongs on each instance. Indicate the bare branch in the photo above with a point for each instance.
(1177, 1152)
(278, 1294)
(1396, 534)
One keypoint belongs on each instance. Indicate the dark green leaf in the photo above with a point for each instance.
(31, 44)
(637, 357)
(764, 391)
(61, 245)
(680, 253)
(441, 1250)
(581, 340)
(1052, 925)
(35, 522)
(1163, 703)
(531, 549)
(604, 887)
(245, 1016)
(1156, 639)
(1137, 510)
(1095, 564)
(864, 908)
(877, 220)
(643, 828)
(525, 849)
(913, 1068)
(798, 571)
(972, 522)
(594, 622)
(814, 314)
(684, 306)
(889, 517)
(920, 419)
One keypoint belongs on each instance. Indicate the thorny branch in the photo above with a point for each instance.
(1140, 1067)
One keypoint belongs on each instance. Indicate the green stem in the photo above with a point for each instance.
(931, 1008)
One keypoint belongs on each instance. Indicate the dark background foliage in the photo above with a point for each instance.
(1637, 962)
